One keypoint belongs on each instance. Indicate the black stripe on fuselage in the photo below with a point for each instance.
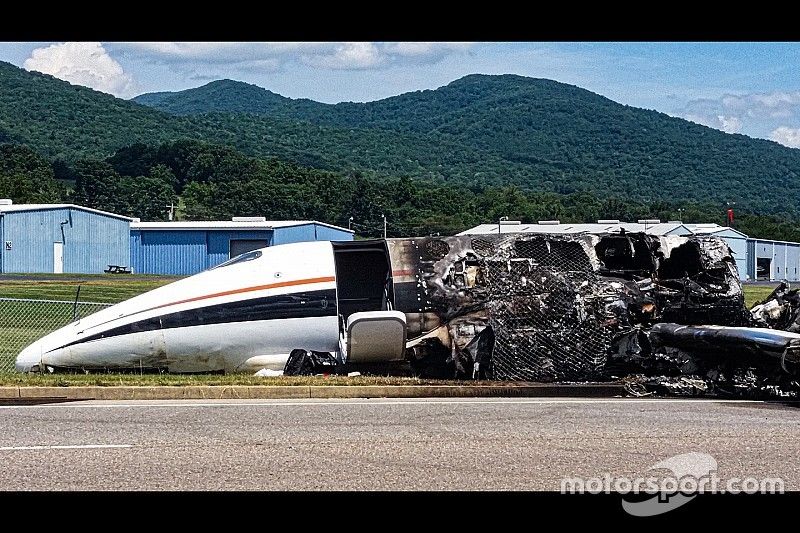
(307, 304)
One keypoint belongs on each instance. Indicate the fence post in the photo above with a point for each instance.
(75, 305)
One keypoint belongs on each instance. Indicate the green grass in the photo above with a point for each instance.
(112, 380)
(110, 288)
(755, 293)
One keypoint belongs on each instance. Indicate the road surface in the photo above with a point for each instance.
(384, 444)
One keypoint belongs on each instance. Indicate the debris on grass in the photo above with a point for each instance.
(268, 373)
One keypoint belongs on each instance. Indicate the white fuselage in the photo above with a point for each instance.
(236, 317)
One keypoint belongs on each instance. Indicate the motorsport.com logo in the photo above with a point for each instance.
(691, 474)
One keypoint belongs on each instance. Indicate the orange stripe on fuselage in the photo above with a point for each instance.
(306, 281)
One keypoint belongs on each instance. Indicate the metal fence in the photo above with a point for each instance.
(545, 303)
(23, 321)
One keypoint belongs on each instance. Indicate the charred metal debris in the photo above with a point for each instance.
(664, 313)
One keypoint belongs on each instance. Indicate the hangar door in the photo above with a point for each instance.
(242, 246)
(58, 257)
(763, 268)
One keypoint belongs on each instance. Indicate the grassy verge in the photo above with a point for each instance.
(110, 288)
(112, 380)
(755, 293)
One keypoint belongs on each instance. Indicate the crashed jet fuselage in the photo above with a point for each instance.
(243, 315)
(543, 307)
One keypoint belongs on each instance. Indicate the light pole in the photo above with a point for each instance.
(680, 214)
(384, 225)
(349, 223)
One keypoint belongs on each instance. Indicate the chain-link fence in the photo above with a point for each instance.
(23, 321)
(546, 310)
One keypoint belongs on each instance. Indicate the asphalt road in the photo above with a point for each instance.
(384, 444)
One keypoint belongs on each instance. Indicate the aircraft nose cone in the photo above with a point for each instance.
(29, 357)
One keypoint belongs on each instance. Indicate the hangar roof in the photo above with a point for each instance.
(604, 226)
(12, 208)
(661, 228)
(229, 224)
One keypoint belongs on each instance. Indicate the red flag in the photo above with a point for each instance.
(730, 216)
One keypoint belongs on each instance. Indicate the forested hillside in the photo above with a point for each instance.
(211, 182)
(542, 134)
(477, 149)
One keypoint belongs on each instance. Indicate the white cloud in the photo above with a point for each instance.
(82, 63)
(346, 56)
(202, 57)
(786, 136)
(428, 52)
(756, 111)
(730, 124)
(210, 52)
(774, 104)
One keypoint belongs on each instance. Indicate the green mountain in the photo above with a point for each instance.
(228, 96)
(478, 130)
(153, 99)
(69, 122)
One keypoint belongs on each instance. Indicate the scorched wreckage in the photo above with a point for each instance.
(667, 312)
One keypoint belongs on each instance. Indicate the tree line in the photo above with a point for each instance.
(208, 182)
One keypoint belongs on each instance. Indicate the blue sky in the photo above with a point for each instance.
(749, 88)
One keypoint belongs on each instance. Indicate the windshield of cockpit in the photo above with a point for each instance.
(247, 256)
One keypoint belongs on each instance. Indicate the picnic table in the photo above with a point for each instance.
(117, 269)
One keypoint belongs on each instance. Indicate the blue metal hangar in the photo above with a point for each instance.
(771, 260)
(185, 248)
(61, 238)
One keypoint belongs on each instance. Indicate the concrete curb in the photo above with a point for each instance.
(244, 392)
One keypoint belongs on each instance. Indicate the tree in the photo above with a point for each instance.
(200, 201)
(134, 160)
(98, 185)
(146, 197)
(25, 177)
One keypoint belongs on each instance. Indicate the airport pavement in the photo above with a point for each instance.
(445, 443)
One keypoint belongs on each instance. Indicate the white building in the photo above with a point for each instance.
(737, 240)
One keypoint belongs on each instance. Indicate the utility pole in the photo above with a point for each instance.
(171, 212)
(384, 226)
(499, 222)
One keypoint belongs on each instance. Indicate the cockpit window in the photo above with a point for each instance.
(247, 256)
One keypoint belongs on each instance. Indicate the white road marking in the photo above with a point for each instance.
(361, 402)
(65, 447)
